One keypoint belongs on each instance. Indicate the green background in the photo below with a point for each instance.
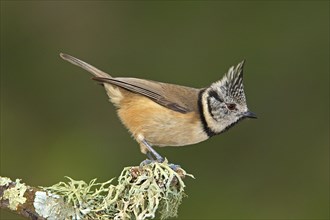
(56, 122)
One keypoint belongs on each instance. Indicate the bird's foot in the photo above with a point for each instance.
(146, 162)
(174, 167)
(152, 154)
(157, 157)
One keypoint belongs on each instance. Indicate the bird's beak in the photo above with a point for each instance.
(249, 114)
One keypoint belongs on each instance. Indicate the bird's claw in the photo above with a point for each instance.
(146, 162)
(174, 167)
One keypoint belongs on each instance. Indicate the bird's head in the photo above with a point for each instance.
(224, 102)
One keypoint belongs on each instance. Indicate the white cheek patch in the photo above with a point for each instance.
(214, 125)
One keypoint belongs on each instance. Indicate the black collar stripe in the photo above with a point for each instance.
(206, 128)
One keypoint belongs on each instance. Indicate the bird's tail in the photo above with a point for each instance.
(93, 70)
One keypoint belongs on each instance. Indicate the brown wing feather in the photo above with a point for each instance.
(178, 98)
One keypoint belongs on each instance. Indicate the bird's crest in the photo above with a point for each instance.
(232, 84)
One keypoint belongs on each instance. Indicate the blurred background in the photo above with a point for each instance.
(56, 122)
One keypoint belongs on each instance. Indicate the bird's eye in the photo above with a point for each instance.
(231, 106)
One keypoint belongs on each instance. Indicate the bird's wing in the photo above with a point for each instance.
(178, 98)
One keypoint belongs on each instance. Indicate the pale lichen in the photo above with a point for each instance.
(141, 193)
(51, 206)
(5, 181)
(14, 194)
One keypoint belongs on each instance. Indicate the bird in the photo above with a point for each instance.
(163, 114)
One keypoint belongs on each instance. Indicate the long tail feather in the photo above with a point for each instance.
(93, 70)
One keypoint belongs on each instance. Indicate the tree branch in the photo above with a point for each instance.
(141, 193)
